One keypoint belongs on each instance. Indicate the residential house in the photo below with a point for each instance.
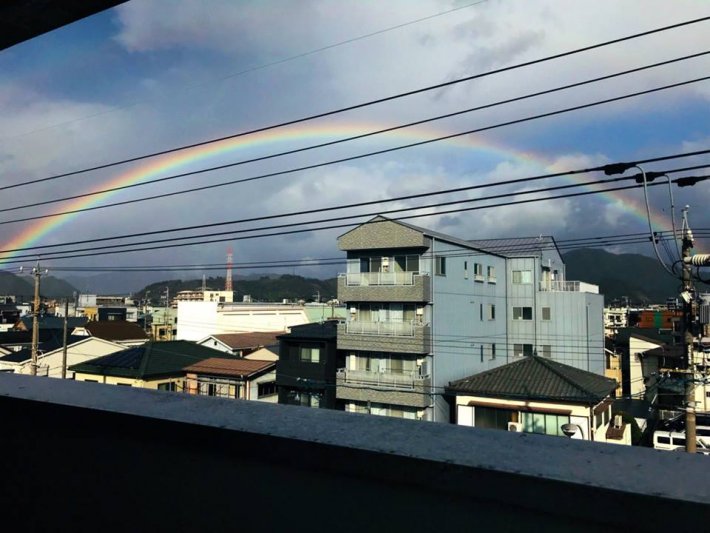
(79, 350)
(163, 324)
(267, 353)
(153, 365)
(308, 361)
(242, 379)
(241, 344)
(425, 309)
(638, 373)
(119, 331)
(540, 395)
(19, 360)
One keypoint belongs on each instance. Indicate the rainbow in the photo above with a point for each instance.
(32, 233)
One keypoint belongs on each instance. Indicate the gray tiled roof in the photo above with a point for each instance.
(149, 360)
(537, 378)
(515, 247)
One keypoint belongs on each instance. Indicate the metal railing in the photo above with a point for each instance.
(568, 286)
(394, 329)
(393, 380)
(364, 279)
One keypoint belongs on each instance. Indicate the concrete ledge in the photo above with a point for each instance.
(84, 455)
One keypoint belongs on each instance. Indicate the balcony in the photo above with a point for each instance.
(410, 388)
(391, 380)
(568, 286)
(384, 286)
(399, 337)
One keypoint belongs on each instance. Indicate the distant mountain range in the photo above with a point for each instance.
(23, 286)
(638, 277)
(265, 288)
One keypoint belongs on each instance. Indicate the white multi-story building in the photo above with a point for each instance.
(426, 309)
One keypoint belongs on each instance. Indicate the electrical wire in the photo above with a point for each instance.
(347, 139)
(341, 207)
(232, 237)
(375, 153)
(364, 104)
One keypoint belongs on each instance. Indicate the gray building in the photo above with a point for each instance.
(425, 309)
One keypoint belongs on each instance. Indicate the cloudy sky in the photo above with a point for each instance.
(152, 75)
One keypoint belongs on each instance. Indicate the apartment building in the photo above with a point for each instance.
(425, 309)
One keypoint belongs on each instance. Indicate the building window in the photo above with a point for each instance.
(522, 313)
(480, 312)
(522, 277)
(491, 311)
(217, 387)
(124, 384)
(491, 271)
(546, 350)
(266, 389)
(309, 354)
(520, 350)
(492, 417)
(545, 424)
(440, 265)
(478, 271)
(546, 314)
(170, 386)
(493, 351)
(306, 399)
(465, 270)
(481, 352)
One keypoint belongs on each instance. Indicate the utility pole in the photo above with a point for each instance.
(37, 273)
(165, 315)
(64, 350)
(687, 298)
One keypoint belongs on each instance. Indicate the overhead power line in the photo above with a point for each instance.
(378, 152)
(354, 137)
(232, 237)
(586, 242)
(363, 104)
(338, 208)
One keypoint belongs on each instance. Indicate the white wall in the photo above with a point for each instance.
(196, 320)
(636, 370)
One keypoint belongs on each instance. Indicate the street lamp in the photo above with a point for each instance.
(573, 431)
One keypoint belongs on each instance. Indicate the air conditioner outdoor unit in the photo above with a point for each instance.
(515, 426)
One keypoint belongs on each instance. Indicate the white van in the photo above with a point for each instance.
(675, 441)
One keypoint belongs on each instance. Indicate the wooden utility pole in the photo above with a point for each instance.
(64, 351)
(37, 273)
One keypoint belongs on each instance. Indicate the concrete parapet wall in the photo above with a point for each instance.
(82, 456)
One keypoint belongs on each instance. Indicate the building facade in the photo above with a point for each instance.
(425, 309)
(307, 366)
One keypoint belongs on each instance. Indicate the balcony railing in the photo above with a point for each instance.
(568, 286)
(392, 380)
(393, 329)
(365, 279)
